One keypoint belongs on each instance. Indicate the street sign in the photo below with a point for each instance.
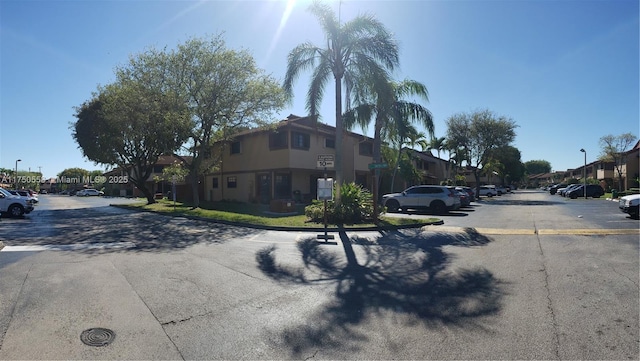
(378, 165)
(325, 189)
(325, 161)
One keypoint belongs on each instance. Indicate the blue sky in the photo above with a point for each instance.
(567, 71)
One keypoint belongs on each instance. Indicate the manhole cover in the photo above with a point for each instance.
(97, 337)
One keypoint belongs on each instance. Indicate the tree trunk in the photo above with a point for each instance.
(376, 159)
(146, 192)
(476, 175)
(395, 169)
(339, 139)
(195, 190)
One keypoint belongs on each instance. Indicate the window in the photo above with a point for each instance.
(214, 182)
(278, 140)
(366, 148)
(300, 140)
(330, 143)
(235, 148)
(232, 182)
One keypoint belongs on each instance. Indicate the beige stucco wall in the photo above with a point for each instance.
(255, 158)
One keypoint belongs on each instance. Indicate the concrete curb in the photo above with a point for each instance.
(293, 229)
(1, 245)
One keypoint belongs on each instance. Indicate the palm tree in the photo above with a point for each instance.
(357, 49)
(439, 144)
(407, 135)
(394, 115)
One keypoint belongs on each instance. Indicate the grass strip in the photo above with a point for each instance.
(259, 215)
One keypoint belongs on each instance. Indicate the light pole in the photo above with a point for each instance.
(584, 177)
(16, 174)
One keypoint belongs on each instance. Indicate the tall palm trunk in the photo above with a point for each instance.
(395, 169)
(339, 138)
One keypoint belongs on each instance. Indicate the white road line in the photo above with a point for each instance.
(68, 247)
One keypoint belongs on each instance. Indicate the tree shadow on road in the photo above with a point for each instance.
(404, 273)
(126, 231)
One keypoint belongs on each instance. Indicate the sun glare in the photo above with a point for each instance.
(283, 22)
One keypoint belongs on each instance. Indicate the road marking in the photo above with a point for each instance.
(69, 247)
(532, 231)
(588, 232)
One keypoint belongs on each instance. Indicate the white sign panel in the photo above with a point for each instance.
(325, 189)
(325, 161)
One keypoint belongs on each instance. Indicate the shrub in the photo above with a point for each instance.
(356, 207)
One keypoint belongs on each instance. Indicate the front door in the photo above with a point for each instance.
(263, 183)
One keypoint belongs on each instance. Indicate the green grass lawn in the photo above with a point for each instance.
(255, 214)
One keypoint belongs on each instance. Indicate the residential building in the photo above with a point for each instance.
(281, 162)
(431, 170)
(118, 182)
(631, 168)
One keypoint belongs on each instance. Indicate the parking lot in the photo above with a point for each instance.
(521, 276)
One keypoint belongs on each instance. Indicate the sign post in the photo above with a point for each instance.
(325, 189)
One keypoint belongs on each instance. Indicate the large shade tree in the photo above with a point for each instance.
(359, 49)
(130, 123)
(478, 135)
(613, 149)
(509, 167)
(224, 92)
(537, 166)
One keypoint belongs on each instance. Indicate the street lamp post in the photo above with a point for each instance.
(16, 173)
(584, 177)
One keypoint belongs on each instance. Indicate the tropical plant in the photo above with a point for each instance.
(395, 115)
(356, 206)
(359, 49)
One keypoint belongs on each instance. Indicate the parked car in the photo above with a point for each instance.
(465, 201)
(593, 191)
(89, 192)
(439, 199)
(629, 204)
(24, 194)
(501, 190)
(563, 191)
(15, 206)
(554, 188)
(470, 192)
(488, 191)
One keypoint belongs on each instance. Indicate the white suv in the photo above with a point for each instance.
(629, 204)
(439, 199)
(488, 191)
(15, 206)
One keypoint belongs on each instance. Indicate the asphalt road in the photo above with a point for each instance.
(522, 276)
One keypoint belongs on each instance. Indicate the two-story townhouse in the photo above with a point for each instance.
(118, 184)
(280, 162)
(631, 167)
(432, 170)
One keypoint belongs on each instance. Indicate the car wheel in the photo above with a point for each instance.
(438, 207)
(393, 206)
(16, 210)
